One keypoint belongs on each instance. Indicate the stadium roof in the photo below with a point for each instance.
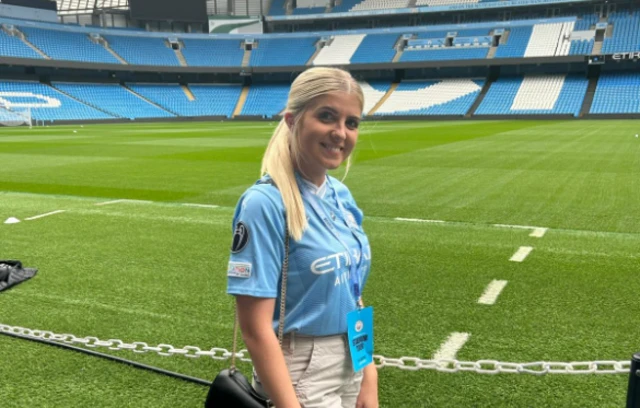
(89, 6)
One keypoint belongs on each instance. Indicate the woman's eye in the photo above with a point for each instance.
(325, 116)
(353, 124)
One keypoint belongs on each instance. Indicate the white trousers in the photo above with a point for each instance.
(321, 371)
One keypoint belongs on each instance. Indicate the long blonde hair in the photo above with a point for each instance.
(284, 146)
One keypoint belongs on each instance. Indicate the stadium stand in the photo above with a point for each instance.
(213, 53)
(343, 6)
(273, 52)
(46, 103)
(266, 100)
(379, 5)
(375, 48)
(373, 91)
(626, 32)
(173, 98)
(277, 8)
(220, 99)
(617, 93)
(443, 97)
(62, 45)
(11, 46)
(339, 51)
(449, 53)
(535, 94)
(143, 50)
(516, 44)
(112, 98)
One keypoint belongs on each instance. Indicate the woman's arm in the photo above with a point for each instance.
(255, 316)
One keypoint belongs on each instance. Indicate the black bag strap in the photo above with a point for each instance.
(283, 291)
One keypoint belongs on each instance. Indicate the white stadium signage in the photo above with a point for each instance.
(7, 99)
(627, 55)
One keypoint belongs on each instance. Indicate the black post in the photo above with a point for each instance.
(633, 394)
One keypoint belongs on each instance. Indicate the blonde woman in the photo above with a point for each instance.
(329, 255)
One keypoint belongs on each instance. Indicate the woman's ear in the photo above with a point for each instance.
(288, 119)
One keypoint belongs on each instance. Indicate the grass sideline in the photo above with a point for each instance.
(154, 271)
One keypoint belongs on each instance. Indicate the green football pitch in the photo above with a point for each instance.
(130, 228)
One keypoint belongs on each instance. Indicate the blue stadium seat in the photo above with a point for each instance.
(516, 43)
(449, 53)
(617, 93)
(220, 100)
(502, 93)
(375, 48)
(626, 32)
(112, 98)
(272, 52)
(213, 53)
(14, 47)
(266, 100)
(62, 45)
(143, 50)
(47, 103)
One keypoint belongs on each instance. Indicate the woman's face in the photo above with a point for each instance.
(327, 133)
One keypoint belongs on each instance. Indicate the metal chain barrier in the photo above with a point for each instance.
(403, 363)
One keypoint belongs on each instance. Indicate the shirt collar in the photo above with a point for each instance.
(319, 191)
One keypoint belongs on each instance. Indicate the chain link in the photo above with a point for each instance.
(402, 363)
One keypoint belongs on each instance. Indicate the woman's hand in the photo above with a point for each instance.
(368, 397)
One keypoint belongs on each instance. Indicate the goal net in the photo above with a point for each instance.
(11, 116)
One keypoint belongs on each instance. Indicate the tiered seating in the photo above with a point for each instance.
(277, 8)
(266, 100)
(373, 91)
(445, 97)
(112, 98)
(380, 5)
(375, 48)
(617, 93)
(173, 98)
(213, 53)
(272, 52)
(143, 50)
(444, 54)
(516, 43)
(339, 51)
(444, 2)
(544, 40)
(14, 47)
(220, 100)
(61, 45)
(542, 94)
(46, 103)
(586, 22)
(626, 32)
(581, 47)
(344, 6)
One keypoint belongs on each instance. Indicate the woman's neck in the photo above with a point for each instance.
(316, 179)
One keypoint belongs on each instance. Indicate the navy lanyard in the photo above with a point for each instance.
(354, 270)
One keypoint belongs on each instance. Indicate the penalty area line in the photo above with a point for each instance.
(44, 215)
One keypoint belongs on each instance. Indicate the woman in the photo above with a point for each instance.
(329, 252)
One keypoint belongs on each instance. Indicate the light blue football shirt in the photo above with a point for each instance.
(319, 294)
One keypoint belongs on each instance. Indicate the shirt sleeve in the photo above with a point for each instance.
(257, 249)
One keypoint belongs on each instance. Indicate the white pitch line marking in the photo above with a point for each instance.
(110, 202)
(521, 254)
(538, 232)
(492, 292)
(44, 215)
(418, 220)
(200, 205)
(449, 349)
(125, 200)
(12, 220)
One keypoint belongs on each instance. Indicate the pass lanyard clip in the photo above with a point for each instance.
(354, 269)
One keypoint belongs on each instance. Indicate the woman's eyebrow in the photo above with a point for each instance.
(327, 107)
